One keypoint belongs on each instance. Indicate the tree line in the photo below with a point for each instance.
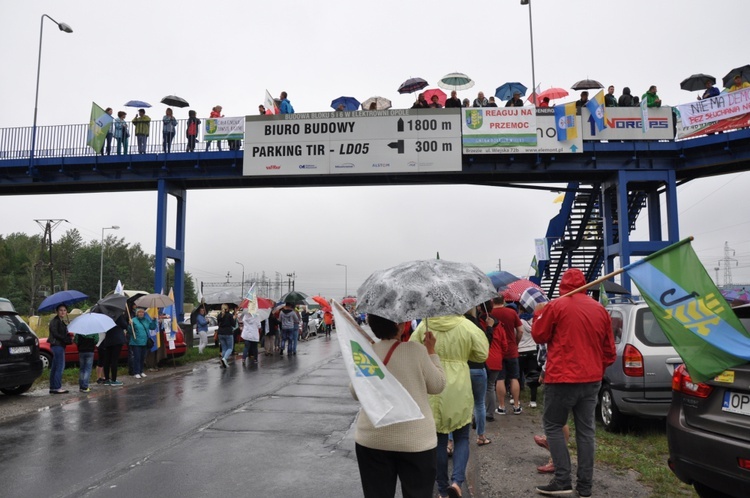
(30, 270)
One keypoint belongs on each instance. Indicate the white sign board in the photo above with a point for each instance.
(625, 123)
(518, 138)
(392, 141)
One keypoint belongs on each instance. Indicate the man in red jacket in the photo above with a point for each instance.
(578, 334)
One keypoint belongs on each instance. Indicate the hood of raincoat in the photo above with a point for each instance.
(571, 280)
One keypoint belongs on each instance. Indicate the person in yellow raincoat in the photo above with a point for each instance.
(458, 341)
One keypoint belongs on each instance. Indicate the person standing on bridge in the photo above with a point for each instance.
(652, 100)
(454, 101)
(142, 127)
(215, 113)
(192, 131)
(122, 134)
(286, 106)
(168, 130)
(108, 139)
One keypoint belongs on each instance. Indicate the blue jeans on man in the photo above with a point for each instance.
(85, 362)
(56, 367)
(559, 400)
(289, 337)
(227, 345)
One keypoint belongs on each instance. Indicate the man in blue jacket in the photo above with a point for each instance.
(286, 106)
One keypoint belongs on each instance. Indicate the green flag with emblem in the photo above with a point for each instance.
(99, 124)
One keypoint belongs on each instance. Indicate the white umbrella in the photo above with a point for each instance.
(381, 104)
(455, 81)
(91, 323)
(221, 297)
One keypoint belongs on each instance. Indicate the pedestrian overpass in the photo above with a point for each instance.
(610, 175)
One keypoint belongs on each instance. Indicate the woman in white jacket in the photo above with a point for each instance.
(251, 336)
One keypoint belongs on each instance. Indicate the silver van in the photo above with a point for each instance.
(639, 382)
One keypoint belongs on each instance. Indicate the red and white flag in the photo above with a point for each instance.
(270, 104)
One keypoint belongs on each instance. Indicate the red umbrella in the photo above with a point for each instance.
(553, 93)
(435, 91)
(513, 291)
(324, 304)
(349, 300)
(263, 303)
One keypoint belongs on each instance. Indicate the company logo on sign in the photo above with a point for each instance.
(273, 166)
(345, 165)
(474, 119)
(307, 166)
(381, 165)
(635, 123)
(412, 164)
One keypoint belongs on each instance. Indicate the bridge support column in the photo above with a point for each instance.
(163, 251)
(622, 198)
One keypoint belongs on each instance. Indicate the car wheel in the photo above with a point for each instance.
(612, 419)
(16, 390)
(706, 492)
(46, 360)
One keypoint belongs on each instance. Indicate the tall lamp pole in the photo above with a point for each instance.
(67, 29)
(101, 264)
(346, 278)
(531, 35)
(242, 285)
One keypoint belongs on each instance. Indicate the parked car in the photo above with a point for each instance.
(708, 429)
(639, 382)
(20, 365)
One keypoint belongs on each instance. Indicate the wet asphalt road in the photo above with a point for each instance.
(279, 429)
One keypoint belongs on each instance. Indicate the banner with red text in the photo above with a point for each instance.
(701, 129)
(723, 106)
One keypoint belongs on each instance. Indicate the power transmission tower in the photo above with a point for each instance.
(48, 226)
(727, 263)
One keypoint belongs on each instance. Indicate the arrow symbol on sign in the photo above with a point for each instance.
(573, 148)
(400, 125)
(593, 125)
(398, 145)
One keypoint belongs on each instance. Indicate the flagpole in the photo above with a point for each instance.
(630, 266)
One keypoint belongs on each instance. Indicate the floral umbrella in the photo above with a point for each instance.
(381, 104)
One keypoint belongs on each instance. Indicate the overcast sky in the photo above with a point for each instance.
(229, 52)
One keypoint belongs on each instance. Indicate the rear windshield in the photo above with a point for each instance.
(648, 330)
(11, 324)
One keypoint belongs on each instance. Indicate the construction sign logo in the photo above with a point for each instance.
(474, 119)
(366, 366)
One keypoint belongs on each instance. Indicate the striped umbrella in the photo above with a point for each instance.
(455, 81)
(412, 85)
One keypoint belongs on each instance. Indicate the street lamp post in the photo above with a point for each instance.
(67, 29)
(101, 264)
(346, 278)
(242, 285)
(531, 35)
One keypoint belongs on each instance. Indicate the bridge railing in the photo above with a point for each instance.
(70, 141)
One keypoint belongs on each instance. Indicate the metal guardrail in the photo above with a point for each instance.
(70, 141)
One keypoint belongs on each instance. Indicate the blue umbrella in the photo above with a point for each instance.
(136, 103)
(350, 103)
(412, 85)
(506, 90)
(67, 297)
(501, 278)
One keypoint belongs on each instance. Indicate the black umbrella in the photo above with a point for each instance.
(175, 101)
(294, 297)
(613, 288)
(113, 306)
(696, 82)
(412, 85)
(743, 71)
(586, 85)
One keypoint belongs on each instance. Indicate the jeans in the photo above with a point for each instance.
(227, 345)
(251, 349)
(122, 142)
(167, 144)
(491, 397)
(288, 337)
(141, 143)
(479, 389)
(460, 458)
(85, 362)
(295, 339)
(559, 400)
(107, 145)
(56, 367)
(139, 355)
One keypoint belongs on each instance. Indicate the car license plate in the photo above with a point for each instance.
(20, 349)
(736, 403)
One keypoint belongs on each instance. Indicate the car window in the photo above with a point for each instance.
(647, 329)
(616, 325)
(10, 324)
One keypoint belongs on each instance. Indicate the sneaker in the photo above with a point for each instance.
(137, 376)
(532, 404)
(225, 362)
(116, 383)
(555, 488)
(500, 411)
(546, 469)
(100, 381)
(85, 390)
(143, 375)
(584, 494)
(517, 410)
(107, 382)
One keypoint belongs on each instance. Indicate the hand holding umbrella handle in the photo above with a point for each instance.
(429, 342)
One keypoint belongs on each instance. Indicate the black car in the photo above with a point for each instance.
(708, 429)
(19, 352)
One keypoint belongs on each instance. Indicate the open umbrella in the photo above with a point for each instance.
(612, 288)
(350, 103)
(435, 91)
(381, 104)
(66, 297)
(455, 81)
(294, 297)
(531, 297)
(506, 90)
(136, 103)
(586, 85)
(553, 93)
(743, 71)
(323, 302)
(175, 101)
(113, 306)
(263, 303)
(412, 85)
(349, 300)
(513, 291)
(696, 82)
(736, 295)
(422, 289)
(154, 301)
(221, 297)
(501, 278)
(91, 323)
